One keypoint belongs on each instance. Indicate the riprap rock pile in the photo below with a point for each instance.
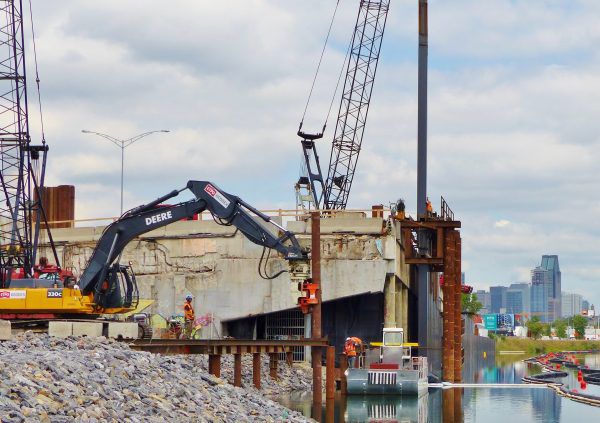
(49, 379)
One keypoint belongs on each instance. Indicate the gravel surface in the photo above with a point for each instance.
(46, 379)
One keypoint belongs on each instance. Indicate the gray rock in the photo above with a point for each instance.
(45, 379)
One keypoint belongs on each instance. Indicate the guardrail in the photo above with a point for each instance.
(294, 214)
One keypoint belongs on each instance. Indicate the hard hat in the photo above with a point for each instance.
(189, 297)
(347, 339)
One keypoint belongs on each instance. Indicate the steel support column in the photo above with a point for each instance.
(330, 373)
(458, 322)
(273, 361)
(422, 270)
(237, 370)
(448, 308)
(316, 309)
(256, 370)
(214, 365)
(344, 381)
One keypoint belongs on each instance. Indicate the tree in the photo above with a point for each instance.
(470, 304)
(546, 329)
(535, 327)
(579, 324)
(561, 328)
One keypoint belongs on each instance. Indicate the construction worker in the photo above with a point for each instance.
(350, 346)
(189, 316)
(429, 207)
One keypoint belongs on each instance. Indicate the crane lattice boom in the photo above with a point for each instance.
(356, 97)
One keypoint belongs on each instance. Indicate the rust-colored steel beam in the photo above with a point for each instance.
(316, 309)
(343, 381)
(330, 373)
(289, 358)
(237, 370)
(448, 405)
(222, 346)
(214, 365)
(458, 405)
(273, 361)
(330, 410)
(256, 370)
(430, 224)
(448, 309)
(458, 322)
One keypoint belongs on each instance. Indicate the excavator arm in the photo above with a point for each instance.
(101, 274)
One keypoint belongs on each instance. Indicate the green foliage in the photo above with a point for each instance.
(470, 304)
(535, 327)
(579, 324)
(561, 328)
(534, 347)
(546, 329)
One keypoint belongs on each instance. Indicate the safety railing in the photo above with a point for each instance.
(446, 211)
(284, 214)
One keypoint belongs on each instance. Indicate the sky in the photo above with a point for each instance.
(514, 106)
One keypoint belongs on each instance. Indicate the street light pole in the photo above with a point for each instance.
(123, 144)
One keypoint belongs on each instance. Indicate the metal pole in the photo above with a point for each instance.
(316, 309)
(330, 373)
(422, 270)
(422, 112)
(122, 172)
(122, 144)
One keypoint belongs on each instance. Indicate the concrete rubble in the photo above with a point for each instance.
(47, 379)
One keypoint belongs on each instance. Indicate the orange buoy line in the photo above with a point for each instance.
(552, 362)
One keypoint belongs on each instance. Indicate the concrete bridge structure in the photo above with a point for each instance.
(361, 256)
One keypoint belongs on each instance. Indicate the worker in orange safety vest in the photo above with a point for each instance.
(350, 346)
(188, 315)
(428, 207)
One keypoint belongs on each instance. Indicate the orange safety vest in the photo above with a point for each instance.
(349, 349)
(357, 341)
(188, 311)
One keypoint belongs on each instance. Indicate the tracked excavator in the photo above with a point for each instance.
(108, 287)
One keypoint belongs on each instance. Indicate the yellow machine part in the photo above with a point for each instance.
(50, 300)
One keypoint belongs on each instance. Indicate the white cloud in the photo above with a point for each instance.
(514, 97)
(502, 223)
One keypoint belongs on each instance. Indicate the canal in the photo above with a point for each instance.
(481, 404)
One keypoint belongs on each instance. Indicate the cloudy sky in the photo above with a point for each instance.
(513, 125)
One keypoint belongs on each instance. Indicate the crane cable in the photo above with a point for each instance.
(37, 74)
(337, 85)
(319, 63)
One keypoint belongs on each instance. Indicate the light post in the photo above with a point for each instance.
(123, 144)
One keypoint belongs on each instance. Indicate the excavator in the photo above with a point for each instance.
(108, 287)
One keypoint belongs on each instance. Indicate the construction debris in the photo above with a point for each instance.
(47, 379)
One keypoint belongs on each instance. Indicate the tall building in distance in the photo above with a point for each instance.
(518, 298)
(484, 298)
(571, 304)
(541, 290)
(550, 263)
(585, 305)
(498, 299)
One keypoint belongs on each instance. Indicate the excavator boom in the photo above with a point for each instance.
(111, 286)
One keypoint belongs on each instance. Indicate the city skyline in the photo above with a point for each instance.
(542, 296)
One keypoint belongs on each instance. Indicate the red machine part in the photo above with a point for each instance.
(310, 297)
(465, 289)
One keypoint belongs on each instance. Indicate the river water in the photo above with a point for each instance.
(481, 404)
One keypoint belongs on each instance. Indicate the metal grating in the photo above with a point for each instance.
(382, 378)
(383, 411)
(284, 325)
(356, 96)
